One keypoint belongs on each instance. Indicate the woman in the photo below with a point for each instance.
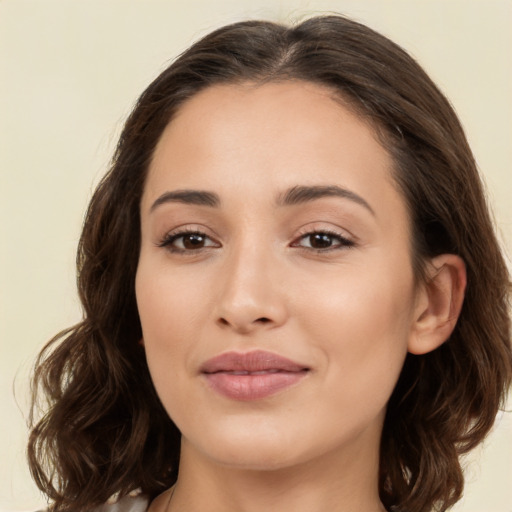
(293, 295)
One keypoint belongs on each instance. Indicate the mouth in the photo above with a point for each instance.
(253, 375)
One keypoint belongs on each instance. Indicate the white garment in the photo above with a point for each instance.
(129, 503)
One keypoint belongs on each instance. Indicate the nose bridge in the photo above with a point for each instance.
(250, 291)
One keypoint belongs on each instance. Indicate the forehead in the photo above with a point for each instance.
(288, 111)
(249, 137)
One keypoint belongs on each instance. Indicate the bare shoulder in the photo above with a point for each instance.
(160, 503)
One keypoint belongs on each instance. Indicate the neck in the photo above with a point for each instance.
(339, 481)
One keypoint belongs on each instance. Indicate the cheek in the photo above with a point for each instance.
(362, 327)
(173, 309)
(164, 311)
(169, 304)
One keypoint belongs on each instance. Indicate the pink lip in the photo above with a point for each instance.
(251, 375)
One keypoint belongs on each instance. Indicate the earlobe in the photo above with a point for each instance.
(438, 304)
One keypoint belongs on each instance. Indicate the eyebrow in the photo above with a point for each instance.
(299, 194)
(197, 197)
(303, 194)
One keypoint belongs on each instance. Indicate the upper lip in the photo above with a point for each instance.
(254, 361)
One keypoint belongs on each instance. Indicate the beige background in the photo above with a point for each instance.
(69, 73)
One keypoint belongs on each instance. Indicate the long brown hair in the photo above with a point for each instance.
(104, 430)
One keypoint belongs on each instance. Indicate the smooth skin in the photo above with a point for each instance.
(271, 220)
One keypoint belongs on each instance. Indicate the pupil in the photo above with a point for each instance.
(193, 241)
(320, 240)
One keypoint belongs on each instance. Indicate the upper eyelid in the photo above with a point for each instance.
(334, 234)
(320, 227)
(345, 240)
(174, 234)
(190, 228)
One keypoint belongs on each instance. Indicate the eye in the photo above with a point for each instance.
(187, 241)
(323, 241)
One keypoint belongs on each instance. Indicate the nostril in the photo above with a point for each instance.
(243, 325)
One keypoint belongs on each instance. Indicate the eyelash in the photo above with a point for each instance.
(169, 239)
(342, 242)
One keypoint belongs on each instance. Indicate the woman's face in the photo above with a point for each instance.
(274, 285)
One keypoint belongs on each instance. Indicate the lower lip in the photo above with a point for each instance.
(252, 387)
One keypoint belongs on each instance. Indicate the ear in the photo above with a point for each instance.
(141, 342)
(438, 303)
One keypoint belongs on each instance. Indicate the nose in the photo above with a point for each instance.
(252, 296)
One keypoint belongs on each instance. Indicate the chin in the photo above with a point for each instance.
(256, 458)
(250, 447)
